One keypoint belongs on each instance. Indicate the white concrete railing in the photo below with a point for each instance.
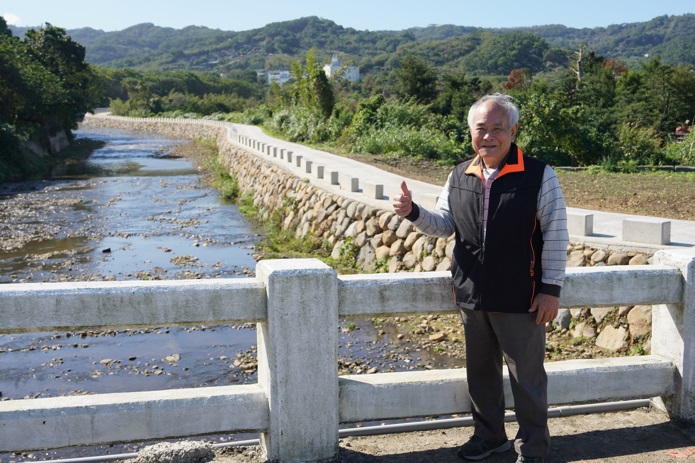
(299, 399)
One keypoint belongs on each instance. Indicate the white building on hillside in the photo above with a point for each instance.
(279, 76)
(350, 73)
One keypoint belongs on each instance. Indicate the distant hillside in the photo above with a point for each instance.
(671, 37)
(146, 46)
(470, 49)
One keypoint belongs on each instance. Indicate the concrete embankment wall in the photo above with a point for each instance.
(381, 240)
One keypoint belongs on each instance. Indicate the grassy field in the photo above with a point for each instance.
(659, 194)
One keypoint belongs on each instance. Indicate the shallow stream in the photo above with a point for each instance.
(134, 211)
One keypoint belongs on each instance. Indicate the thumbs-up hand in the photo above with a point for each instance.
(403, 203)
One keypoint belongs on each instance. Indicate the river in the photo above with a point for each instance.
(135, 210)
(130, 211)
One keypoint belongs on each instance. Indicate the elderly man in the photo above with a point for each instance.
(508, 213)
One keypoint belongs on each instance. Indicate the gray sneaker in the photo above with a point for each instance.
(523, 459)
(478, 449)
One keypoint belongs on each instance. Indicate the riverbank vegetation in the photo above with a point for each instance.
(204, 153)
(45, 88)
(593, 112)
(279, 242)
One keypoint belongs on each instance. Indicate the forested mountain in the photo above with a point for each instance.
(469, 49)
(146, 46)
(671, 37)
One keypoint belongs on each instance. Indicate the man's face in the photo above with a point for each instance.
(491, 134)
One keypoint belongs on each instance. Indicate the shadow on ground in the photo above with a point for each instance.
(639, 436)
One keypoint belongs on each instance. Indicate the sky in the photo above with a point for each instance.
(233, 15)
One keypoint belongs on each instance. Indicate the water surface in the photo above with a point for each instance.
(132, 211)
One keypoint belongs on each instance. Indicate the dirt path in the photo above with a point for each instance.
(636, 436)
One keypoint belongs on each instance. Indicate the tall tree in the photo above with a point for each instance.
(659, 97)
(519, 80)
(415, 79)
(27, 89)
(320, 89)
(457, 94)
(4, 29)
(65, 59)
(312, 88)
(671, 89)
(554, 132)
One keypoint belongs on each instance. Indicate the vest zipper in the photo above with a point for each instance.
(483, 235)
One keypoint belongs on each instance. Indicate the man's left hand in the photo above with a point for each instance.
(546, 308)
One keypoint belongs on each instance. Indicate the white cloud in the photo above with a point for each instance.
(12, 19)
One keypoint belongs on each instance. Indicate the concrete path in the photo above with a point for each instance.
(607, 228)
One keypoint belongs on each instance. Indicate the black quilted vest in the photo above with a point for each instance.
(501, 273)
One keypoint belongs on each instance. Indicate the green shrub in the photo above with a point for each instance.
(246, 205)
(119, 107)
(257, 115)
(639, 144)
(300, 124)
(408, 141)
(228, 187)
(683, 152)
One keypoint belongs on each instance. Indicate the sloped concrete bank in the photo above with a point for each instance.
(379, 239)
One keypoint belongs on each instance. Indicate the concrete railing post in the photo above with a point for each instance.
(297, 360)
(673, 335)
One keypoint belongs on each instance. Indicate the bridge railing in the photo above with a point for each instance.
(299, 400)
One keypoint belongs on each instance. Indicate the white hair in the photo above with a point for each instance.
(506, 102)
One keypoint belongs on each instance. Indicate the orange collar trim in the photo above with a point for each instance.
(514, 162)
